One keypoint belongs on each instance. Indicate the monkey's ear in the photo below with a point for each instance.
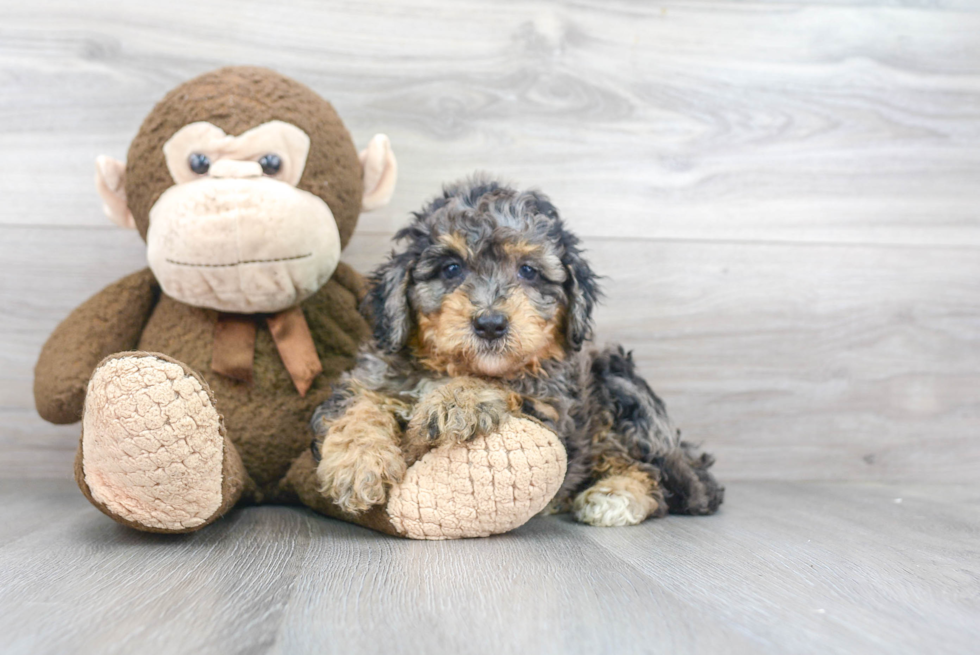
(380, 173)
(110, 182)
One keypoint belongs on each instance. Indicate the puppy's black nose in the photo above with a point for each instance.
(490, 326)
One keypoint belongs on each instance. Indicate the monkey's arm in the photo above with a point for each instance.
(109, 322)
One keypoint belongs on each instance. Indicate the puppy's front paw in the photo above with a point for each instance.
(358, 464)
(459, 411)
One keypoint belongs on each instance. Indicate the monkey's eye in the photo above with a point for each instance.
(270, 164)
(451, 270)
(199, 163)
(526, 272)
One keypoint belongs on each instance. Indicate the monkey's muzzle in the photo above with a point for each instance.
(241, 245)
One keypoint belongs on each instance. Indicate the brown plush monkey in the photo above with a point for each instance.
(195, 379)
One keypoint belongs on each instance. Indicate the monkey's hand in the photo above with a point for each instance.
(109, 322)
(457, 412)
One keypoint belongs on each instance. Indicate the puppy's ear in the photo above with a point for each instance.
(581, 283)
(386, 302)
(582, 289)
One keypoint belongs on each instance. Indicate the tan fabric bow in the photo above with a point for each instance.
(234, 346)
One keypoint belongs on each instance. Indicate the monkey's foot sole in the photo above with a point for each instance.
(486, 486)
(152, 444)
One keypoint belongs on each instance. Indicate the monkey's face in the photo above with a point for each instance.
(234, 233)
(246, 186)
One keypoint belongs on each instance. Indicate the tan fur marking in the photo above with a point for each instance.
(609, 464)
(443, 336)
(457, 242)
(543, 409)
(520, 249)
(445, 342)
(537, 338)
(360, 458)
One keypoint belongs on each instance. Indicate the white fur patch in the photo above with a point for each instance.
(613, 502)
(151, 446)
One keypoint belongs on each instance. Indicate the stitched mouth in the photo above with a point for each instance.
(246, 261)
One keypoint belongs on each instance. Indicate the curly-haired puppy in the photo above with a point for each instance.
(488, 311)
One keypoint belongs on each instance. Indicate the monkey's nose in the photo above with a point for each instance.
(232, 168)
(491, 325)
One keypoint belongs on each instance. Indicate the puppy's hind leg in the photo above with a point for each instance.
(640, 425)
(624, 494)
(633, 495)
(691, 489)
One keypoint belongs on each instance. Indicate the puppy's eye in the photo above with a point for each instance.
(199, 163)
(451, 270)
(271, 164)
(528, 273)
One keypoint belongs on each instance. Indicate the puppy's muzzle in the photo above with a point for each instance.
(491, 325)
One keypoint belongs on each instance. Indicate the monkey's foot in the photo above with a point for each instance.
(153, 446)
(488, 485)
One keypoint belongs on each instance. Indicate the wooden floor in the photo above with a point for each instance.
(784, 199)
(785, 568)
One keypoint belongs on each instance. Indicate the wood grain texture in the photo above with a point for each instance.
(675, 120)
(783, 197)
(785, 567)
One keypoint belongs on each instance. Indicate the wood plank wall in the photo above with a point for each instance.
(785, 198)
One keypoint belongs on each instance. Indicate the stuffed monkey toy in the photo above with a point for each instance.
(195, 378)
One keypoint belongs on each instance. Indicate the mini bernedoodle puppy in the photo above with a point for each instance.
(488, 310)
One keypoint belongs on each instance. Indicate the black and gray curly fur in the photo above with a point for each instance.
(508, 244)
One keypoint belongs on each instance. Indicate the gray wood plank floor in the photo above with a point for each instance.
(784, 568)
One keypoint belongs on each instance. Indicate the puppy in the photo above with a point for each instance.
(487, 311)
